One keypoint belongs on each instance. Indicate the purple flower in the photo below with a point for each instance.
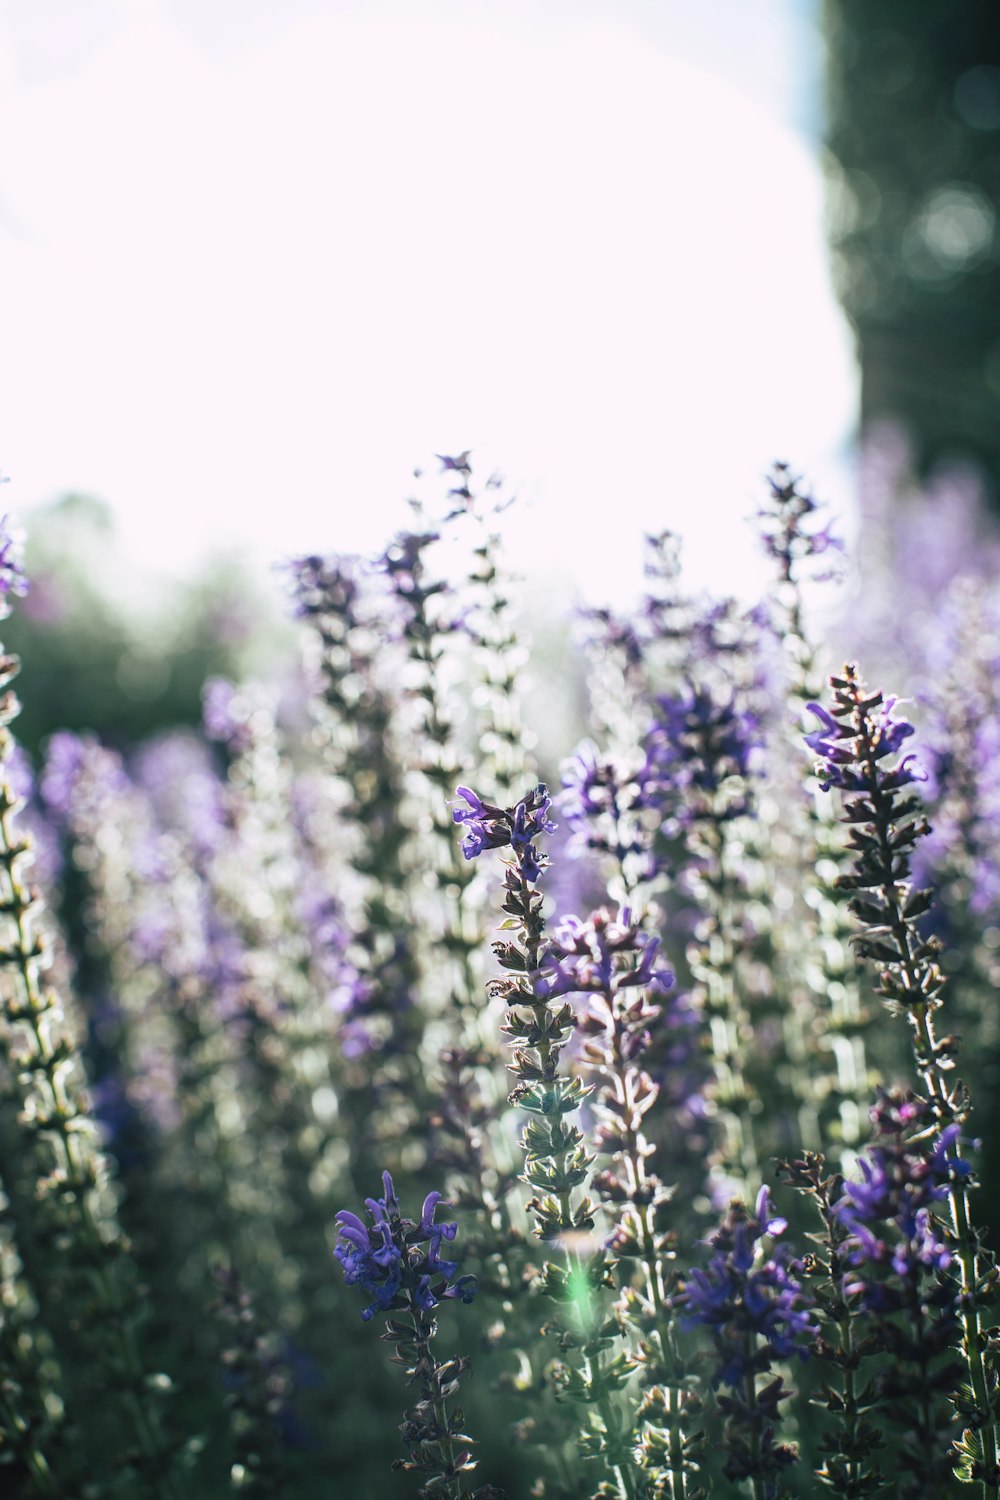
(752, 1303)
(12, 575)
(699, 744)
(326, 586)
(897, 1272)
(490, 827)
(486, 826)
(787, 526)
(227, 717)
(602, 803)
(177, 773)
(890, 732)
(64, 759)
(586, 781)
(889, 1210)
(837, 745)
(604, 953)
(397, 1261)
(826, 740)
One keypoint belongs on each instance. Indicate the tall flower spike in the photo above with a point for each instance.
(860, 747)
(824, 1021)
(897, 1254)
(700, 753)
(845, 1346)
(556, 1162)
(613, 960)
(348, 642)
(397, 1262)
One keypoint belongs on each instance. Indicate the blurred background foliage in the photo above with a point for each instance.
(913, 133)
(102, 657)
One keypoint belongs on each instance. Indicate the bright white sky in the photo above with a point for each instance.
(259, 258)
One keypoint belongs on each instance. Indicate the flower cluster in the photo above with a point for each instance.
(603, 807)
(753, 1304)
(398, 1261)
(900, 1184)
(787, 524)
(858, 742)
(585, 955)
(700, 745)
(900, 1272)
(842, 759)
(752, 1301)
(490, 827)
(612, 959)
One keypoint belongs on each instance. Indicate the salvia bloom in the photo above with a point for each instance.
(700, 743)
(398, 1261)
(538, 1026)
(901, 1183)
(585, 955)
(751, 1300)
(754, 1304)
(836, 745)
(489, 827)
(790, 525)
(612, 959)
(860, 743)
(603, 804)
(899, 1257)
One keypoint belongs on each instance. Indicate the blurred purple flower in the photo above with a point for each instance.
(699, 744)
(13, 579)
(225, 715)
(753, 1303)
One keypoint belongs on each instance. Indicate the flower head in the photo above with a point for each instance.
(397, 1261)
(490, 827)
(700, 744)
(842, 760)
(889, 1209)
(751, 1300)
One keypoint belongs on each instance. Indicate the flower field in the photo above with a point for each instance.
(392, 1104)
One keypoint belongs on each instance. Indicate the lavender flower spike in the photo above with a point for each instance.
(397, 1261)
(490, 827)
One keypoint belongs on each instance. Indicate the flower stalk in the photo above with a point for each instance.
(859, 743)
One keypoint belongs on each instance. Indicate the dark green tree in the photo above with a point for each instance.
(913, 132)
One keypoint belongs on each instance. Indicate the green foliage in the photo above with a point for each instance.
(103, 664)
(913, 99)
